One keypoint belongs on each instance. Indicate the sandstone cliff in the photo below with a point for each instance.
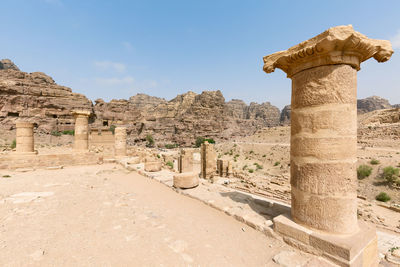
(37, 98)
(372, 103)
(363, 106)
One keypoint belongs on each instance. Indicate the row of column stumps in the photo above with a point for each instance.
(323, 143)
(25, 136)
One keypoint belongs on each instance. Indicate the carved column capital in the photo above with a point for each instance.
(337, 45)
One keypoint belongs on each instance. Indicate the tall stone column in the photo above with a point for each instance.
(185, 161)
(81, 141)
(120, 141)
(208, 160)
(323, 149)
(24, 137)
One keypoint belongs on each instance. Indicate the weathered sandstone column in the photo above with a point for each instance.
(324, 124)
(185, 161)
(208, 160)
(81, 142)
(24, 137)
(120, 141)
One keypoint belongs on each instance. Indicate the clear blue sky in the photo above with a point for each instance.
(115, 49)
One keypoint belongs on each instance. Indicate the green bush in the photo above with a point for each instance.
(171, 146)
(68, 132)
(112, 129)
(150, 140)
(390, 174)
(158, 156)
(200, 140)
(277, 163)
(56, 133)
(13, 144)
(382, 196)
(6, 176)
(258, 166)
(374, 162)
(251, 170)
(363, 171)
(170, 164)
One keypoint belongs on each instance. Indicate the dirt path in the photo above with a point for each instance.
(104, 216)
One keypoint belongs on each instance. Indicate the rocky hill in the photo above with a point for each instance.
(185, 117)
(37, 98)
(372, 103)
(363, 106)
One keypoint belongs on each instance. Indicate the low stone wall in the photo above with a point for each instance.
(15, 161)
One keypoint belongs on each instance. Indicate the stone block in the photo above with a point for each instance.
(152, 166)
(186, 180)
(356, 249)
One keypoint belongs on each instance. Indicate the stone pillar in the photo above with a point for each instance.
(24, 137)
(208, 160)
(81, 141)
(120, 141)
(323, 151)
(185, 161)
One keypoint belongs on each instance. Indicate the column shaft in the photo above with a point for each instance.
(24, 137)
(323, 150)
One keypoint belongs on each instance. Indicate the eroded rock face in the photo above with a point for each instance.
(285, 115)
(35, 96)
(6, 64)
(372, 103)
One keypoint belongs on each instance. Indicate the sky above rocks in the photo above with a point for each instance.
(116, 49)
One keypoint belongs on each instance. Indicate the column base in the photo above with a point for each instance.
(359, 249)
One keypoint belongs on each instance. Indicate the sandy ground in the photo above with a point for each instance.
(104, 216)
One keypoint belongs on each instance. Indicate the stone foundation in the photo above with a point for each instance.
(357, 249)
(152, 166)
(15, 161)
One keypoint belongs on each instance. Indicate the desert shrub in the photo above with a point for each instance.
(251, 170)
(112, 129)
(6, 176)
(56, 133)
(200, 140)
(235, 145)
(258, 166)
(158, 156)
(374, 162)
(171, 146)
(382, 196)
(363, 171)
(264, 156)
(210, 140)
(149, 140)
(390, 174)
(251, 152)
(237, 155)
(170, 164)
(277, 163)
(244, 167)
(68, 132)
(13, 144)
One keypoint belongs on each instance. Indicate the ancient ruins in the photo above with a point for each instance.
(323, 146)
(290, 178)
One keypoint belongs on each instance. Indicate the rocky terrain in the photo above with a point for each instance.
(37, 98)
